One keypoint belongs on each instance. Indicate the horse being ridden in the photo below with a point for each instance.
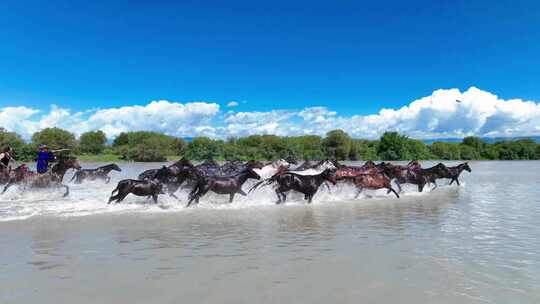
(53, 178)
(97, 173)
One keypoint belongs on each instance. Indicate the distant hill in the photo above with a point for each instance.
(488, 140)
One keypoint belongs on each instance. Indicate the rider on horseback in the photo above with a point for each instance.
(6, 158)
(43, 159)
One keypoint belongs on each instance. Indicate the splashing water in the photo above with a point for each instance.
(91, 198)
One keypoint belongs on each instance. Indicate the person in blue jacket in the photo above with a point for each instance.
(44, 157)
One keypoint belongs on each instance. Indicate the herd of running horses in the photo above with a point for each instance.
(229, 178)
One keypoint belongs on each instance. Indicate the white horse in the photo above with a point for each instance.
(271, 169)
(317, 169)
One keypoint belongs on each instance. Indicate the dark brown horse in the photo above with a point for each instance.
(414, 174)
(454, 172)
(367, 176)
(136, 187)
(373, 181)
(51, 179)
(97, 173)
(222, 185)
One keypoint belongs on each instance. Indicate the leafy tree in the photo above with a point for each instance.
(337, 145)
(147, 146)
(11, 139)
(467, 152)
(446, 150)
(55, 138)
(476, 143)
(362, 149)
(92, 142)
(202, 148)
(393, 146)
(121, 140)
(416, 149)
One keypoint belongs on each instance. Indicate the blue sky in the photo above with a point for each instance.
(352, 57)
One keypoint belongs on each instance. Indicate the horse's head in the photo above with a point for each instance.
(164, 173)
(329, 175)
(69, 163)
(291, 160)
(252, 174)
(115, 167)
(391, 170)
(466, 167)
(369, 163)
(327, 164)
(254, 164)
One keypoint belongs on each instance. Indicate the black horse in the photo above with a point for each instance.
(221, 185)
(236, 166)
(306, 184)
(97, 173)
(454, 172)
(136, 187)
(175, 175)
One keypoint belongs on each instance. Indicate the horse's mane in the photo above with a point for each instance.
(183, 162)
(108, 166)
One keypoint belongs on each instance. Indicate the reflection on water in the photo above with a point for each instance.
(474, 244)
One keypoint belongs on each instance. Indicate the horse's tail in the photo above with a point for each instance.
(266, 183)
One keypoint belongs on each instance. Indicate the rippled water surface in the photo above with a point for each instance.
(478, 243)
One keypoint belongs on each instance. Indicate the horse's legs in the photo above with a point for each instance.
(452, 181)
(434, 183)
(231, 197)
(282, 197)
(154, 197)
(67, 190)
(112, 198)
(278, 193)
(457, 181)
(390, 189)
(399, 186)
(358, 191)
(421, 186)
(7, 186)
(173, 195)
(241, 192)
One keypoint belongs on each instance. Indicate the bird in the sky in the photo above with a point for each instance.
(458, 101)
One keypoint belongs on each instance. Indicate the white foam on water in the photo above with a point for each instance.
(91, 199)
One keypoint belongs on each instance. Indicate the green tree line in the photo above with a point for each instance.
(337, 144)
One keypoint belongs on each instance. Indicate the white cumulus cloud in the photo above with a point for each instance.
(232, 104)
(438, 115)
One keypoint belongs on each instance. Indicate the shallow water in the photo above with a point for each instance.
(477, 243)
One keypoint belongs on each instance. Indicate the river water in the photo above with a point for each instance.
(478, 243)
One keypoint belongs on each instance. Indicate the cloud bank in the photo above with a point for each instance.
(439, 115)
